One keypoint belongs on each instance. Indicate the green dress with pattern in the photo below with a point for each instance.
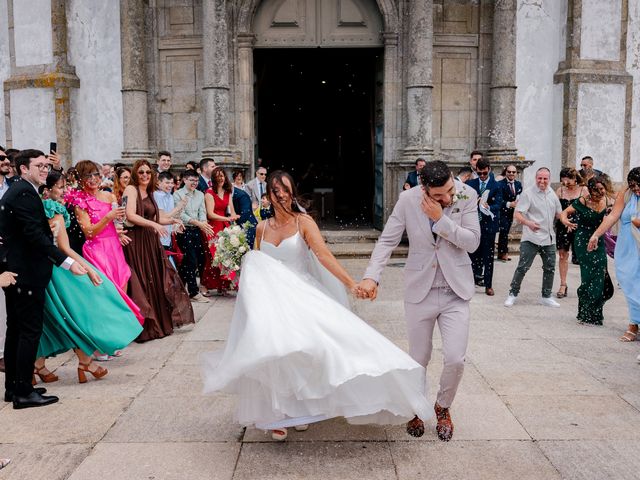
(593, 265)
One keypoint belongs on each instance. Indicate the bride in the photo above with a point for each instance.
(295, 353)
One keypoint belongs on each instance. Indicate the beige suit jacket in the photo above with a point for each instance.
(458, 233)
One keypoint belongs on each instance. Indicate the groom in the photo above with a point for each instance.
(441, 219)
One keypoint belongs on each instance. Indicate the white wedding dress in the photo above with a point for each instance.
(296, 354)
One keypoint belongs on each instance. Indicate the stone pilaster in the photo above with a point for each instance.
(419, 62)
(579, 69)
(215, 90)
(245, 107)
(134, 81)
(502, 145)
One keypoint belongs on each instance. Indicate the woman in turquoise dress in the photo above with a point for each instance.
(587, 213)
(627, 252)
(71, 303)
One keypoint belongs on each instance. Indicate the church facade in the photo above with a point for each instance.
(345, 94)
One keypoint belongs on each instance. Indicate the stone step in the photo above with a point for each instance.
(365, 235)
(362, 250)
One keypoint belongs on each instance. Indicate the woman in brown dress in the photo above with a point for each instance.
(155, 285)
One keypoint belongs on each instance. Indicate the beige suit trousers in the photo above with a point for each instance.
(451, 312)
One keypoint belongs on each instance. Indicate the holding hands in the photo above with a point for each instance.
(367, 288)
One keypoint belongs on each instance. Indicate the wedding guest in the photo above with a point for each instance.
(164, 199)
(206, 168)
(256, 187)
(474, 156)
(246, 218)
(155, 286)
(238, 180)
(489, 204)
(29, 251)
(6, 279)
(5, 170)
(583, 216)
(537, 210)
(571, 188)
(164, 162)
(217, 201)
(191, 165)
(194, 218)
(586, 168)
(511, 190)
(627, 210)
(413, 178)
(69, 320)
(441, 221)
(120, 182)
(265, 210)
(96, 215)
(464, 174)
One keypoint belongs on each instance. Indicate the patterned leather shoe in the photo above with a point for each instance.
(444, 428)
(415, 427)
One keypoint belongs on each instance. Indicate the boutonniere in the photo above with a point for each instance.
(459, 196)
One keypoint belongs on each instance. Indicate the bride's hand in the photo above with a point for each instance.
(369, 289)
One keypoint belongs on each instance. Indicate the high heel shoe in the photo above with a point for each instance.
(45, 377)
(82, 368)
(562, 292)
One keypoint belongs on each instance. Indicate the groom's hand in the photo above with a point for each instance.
(369, 287)
(431, 208)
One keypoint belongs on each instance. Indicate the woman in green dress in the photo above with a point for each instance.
(71, 303)
(587, 212)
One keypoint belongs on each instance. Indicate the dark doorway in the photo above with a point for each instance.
(315, 119)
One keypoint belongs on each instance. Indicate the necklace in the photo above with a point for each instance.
(272, 224)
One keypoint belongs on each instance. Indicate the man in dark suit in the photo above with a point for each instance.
(243, 207)
(206, 169)
(511, 190)
(29, 251)
(489, 204)
(413, 178)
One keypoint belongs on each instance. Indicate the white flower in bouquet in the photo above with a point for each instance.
(237, 229)
(242, 249)
(234, 241)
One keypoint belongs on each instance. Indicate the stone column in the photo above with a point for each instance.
(502, 137)
(134, 81)
(419, 63)
(215, 94)
(246, 109)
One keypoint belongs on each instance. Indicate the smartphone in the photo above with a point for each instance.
(53, 147)
(124, 202)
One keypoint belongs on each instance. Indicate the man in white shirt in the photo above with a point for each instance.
(537, 210)
(256, 187)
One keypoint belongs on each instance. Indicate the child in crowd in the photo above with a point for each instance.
(264, 211)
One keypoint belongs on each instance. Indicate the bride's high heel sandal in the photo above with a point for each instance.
(98, 373)
(280, 434)
(49, 377)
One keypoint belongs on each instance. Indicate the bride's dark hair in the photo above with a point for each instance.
(297, 204)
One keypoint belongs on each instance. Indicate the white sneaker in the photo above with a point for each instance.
(199, 298)
(549, 302)
(511, 299)
(301, 428)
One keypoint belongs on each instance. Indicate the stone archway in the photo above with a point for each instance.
(246, 39)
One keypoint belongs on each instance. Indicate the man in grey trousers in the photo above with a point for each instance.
(440, 216)
(537, 211)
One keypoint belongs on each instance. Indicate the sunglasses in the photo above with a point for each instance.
(511, 171)
(144, 172)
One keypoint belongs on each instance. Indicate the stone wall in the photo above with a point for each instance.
(5, 65)
(96, 107)
(541, 46)
(633, 67)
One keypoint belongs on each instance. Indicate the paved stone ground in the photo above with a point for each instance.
(542, 398)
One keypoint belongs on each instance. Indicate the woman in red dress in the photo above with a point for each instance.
(217, 201)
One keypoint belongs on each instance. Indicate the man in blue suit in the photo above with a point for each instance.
(489, 204)
(206, 168)
(413, 178)
(511, 190)
(243, 207)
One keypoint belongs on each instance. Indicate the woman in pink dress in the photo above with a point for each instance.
(95, 215)
(217, 201)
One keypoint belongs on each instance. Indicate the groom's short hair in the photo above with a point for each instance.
(435, 174)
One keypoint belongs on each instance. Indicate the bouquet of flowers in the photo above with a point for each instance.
(231, 245)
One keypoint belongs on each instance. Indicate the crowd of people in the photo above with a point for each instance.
(137, 245)
(584, 220)
(130, 242)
